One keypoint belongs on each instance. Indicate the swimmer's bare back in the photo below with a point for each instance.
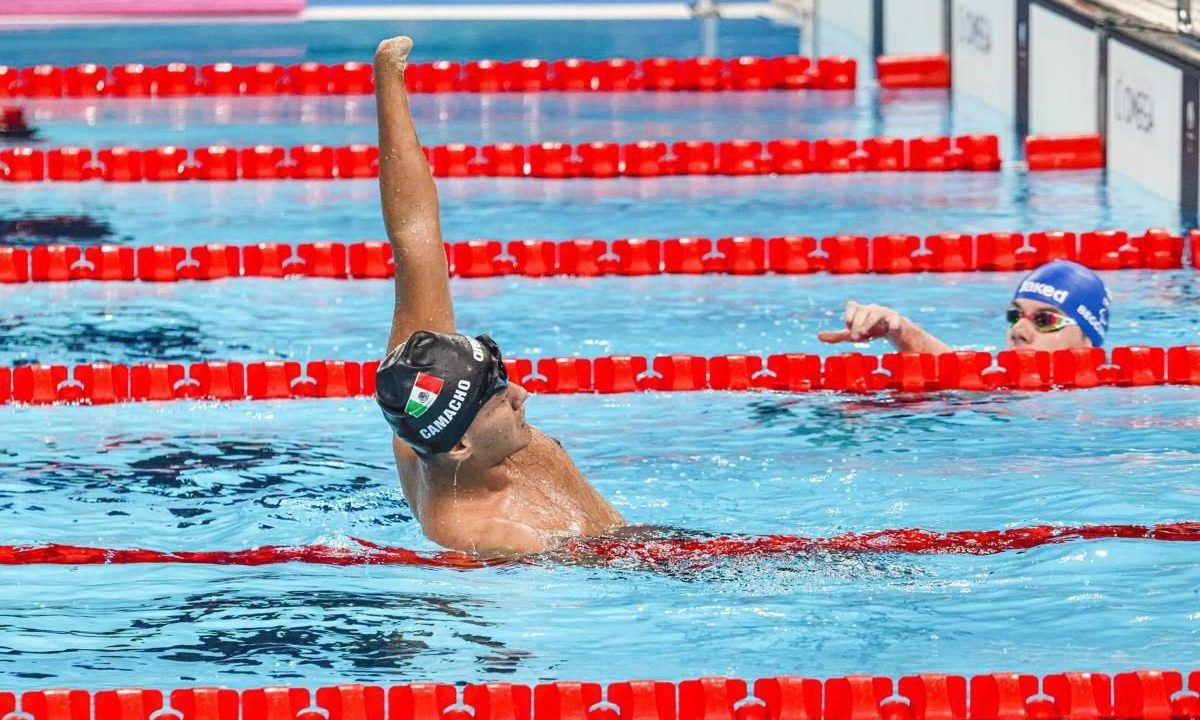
(526, 501)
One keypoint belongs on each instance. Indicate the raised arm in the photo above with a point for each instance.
(410, 205)
(867, 322)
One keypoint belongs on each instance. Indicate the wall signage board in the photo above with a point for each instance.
(983, 51)
(1145, 103)
(1063, 92)
(913, 27)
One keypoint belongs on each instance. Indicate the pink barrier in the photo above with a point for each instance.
(151, 7)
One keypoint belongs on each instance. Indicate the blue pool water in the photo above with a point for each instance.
(444, 118)
(228, 476)
(342, 41)
(232, 476)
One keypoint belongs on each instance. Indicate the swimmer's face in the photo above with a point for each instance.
(500, 430)
(1025, 335)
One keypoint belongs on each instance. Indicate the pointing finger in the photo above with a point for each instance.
(834, 336)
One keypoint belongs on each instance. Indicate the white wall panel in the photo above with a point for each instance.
(913, 27)
(852, 15)
(983, 35)
(1144, 109)
(1064, 59)
(844, 28)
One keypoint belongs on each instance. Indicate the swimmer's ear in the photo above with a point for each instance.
(460, 451)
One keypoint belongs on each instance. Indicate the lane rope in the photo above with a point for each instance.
(908, 372)
(912, 541)
(703, 74)
(1135, 695)
(545, 160)
(1155, 249)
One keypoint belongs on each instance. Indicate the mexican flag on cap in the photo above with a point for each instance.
(424, 394)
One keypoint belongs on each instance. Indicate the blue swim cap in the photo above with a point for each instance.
(1074, 289)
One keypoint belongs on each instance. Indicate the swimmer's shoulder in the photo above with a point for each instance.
(545, 456)
(406, 458)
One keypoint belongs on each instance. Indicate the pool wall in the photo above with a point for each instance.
(1056, 66)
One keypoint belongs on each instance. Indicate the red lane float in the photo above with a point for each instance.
(1064, 152)
(909, 541)
(1155, 249)
(705, 74)
(647, 158)
(1023, 370)
(1135, 695)
(12, 123)
(913, 71)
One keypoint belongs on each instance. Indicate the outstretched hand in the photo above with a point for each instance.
(865, 322)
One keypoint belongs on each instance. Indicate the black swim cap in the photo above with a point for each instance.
(431, 388)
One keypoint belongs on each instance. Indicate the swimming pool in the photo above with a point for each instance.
(228, 476)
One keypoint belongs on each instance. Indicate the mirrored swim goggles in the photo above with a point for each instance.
(1043, 320)
(497, 379)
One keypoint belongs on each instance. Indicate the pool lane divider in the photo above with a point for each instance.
(913, 71)
(907, 372)
(1155, 249)
(1064, 152)
(546, 160)
(12, 123)
(1135, 695)
(901, 541)
(701, 74)
(909, 541)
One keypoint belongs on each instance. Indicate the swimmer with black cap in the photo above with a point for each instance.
(477, 476)
(1059, 305)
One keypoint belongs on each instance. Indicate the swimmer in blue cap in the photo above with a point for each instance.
(1061, 304)
(476, 475)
